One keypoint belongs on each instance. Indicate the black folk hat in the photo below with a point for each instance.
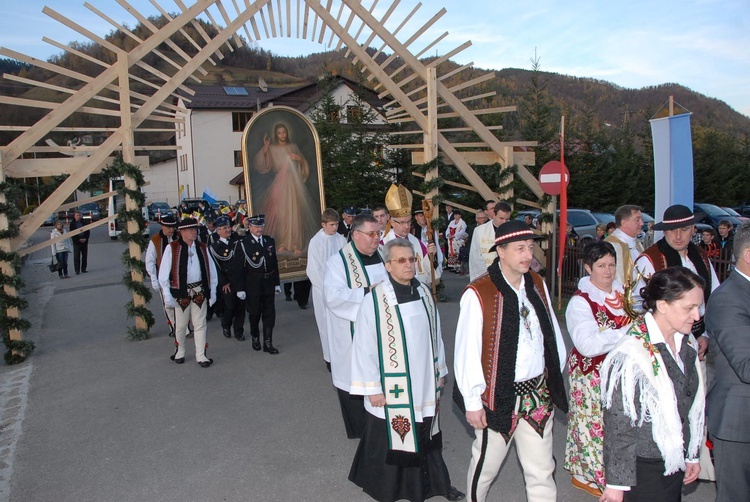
(168, 220)
(512, 231)
(188, 223)
(678, 216)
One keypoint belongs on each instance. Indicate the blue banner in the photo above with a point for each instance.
(673, 162)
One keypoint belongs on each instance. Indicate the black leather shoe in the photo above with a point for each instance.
(206, 364)
(267, 347)
(179, 360)
(289, 298)
(256, 343)
(240, 337)
(303, 307)
(227, 332)
(454, 494)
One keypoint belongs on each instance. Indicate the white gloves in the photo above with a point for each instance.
(241, 295)
(278, 289)
(211, 301)
(169, 301)
(155, 285)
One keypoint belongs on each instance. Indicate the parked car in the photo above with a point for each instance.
(744, 208)
(714, 214)
(534, 213)
(51, 219)
(732, 212)
(584, 223)
(647, 218)
(90, 212)
(157, 209)
(604, 218)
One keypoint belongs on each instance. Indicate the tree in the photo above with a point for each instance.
(354, 170)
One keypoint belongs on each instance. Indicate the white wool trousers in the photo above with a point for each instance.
(534, 452)
(197, 315)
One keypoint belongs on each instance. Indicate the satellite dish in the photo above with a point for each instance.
(262, 84)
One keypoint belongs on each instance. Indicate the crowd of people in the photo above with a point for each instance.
(642, 417)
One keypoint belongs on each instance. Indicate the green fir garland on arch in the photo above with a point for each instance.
(16, 350)
(117, 169)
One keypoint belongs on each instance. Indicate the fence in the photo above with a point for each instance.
(573, 269)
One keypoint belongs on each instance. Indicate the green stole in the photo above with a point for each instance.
(394, 366)
(356, 272)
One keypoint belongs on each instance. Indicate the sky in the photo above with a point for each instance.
(701, 44)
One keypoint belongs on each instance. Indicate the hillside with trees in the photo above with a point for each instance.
(608, 138)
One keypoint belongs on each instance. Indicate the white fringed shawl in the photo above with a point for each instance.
(636, 364)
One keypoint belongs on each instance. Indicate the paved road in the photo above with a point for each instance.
(95, 417)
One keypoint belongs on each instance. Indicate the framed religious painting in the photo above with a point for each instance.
(284, 182)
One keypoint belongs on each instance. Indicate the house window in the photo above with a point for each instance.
(335, 114)
(240, 120)
(353, 114)
(238, 158)
(183, 162)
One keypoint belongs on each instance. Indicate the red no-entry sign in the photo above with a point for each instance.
(549, 177)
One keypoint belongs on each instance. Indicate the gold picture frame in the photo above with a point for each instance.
(284, 181)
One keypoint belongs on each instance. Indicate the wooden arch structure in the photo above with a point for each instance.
(336, 23)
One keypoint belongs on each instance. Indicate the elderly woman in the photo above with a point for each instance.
(596, 322)
(653, 396)
(61, 249)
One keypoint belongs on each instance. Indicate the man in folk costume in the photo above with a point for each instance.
(323, 245)
(483, 238)
(677, 249)
(399, 200)
(629, 223)
(154, 252)
(398, 363)
(262, 282)
(230, 263)
(188, 282)
(350, 274)
(508, 361)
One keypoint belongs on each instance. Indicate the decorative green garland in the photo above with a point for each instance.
(117, 169)
(17, 350)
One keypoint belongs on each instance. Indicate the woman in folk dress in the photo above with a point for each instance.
(596, 321)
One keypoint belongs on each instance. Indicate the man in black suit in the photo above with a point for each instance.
(261, 282)
(728, 324)
(347, 215)
(230, 264)
(80, 244)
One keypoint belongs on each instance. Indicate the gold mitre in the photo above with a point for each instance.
(398, 201)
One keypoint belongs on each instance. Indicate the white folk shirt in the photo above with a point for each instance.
(193, 272)
(366, 378)
(322, 246)
(342, 307)
(588, 338)
(643, 265)
(635, 248)
(468, 353)
(480, 256)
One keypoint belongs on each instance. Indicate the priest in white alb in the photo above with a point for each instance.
(398, 363)
(350, 274)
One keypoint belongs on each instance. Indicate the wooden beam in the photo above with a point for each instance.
(424, 87)
(450, 203)
(46, 243)
(199, 28)
(216, 25)
(487, 136)
(359, 31)
(28, 168)
(383, 20)
(54, 117)
(195, 44)
(454, 184)
(398, 29)
(338, 18)
(323, 28)
(475, 158)
(148, 24)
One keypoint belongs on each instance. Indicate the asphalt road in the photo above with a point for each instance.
(92, 416)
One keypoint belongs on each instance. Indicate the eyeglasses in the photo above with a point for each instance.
(402, 260)
(371, 235)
